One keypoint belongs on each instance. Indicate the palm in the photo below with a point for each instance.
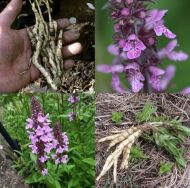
(15, 50)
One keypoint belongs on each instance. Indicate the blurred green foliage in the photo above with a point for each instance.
(177, 20)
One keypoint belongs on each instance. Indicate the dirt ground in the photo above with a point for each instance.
(9, 177)
(143, 174)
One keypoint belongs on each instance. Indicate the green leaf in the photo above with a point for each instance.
(146, 112)
(89, 161)
(136, 153)
(180, 161)
(34, 178)
(117, 117)
(33, 157)
(57, 184)
(165, 168)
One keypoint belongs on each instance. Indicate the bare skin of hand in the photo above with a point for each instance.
(15, 50)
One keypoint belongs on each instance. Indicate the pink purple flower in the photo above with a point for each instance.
(133, 47)
(44, 171)
(45, 141)
(167, 77)
(155, 77)
(71, 116)
(73, 99)
(185, 91)
(155, 21)
(138, 58)
(135, 77)
(168, 52)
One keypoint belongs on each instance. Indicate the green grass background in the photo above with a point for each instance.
(177, 20)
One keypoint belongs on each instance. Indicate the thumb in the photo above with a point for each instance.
(8, 15)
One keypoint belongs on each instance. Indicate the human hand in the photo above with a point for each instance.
(15, 50)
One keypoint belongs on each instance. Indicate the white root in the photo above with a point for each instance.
(43, 38)
(125, 140)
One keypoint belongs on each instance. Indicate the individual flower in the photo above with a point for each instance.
(167, 77)
(73, 99)
(71, 116)
(114, 50)
(1, 147)
(115, 70)
(44, 171)
(160, 30)
(186, 91)
(133, 47)
(168, 52)
(155, 77)
(116, 84)
(110, 68)
(135, 77)
(155, 21)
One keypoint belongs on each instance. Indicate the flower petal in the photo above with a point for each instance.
(178, 56)
(156, 71)
(155, 82)
(116, 85)
(104, 68)
(133, 54)
(113, 49)
(168, 76)
(186, 91)
(168, 33)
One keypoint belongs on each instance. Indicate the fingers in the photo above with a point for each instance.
(62, 23)
(10, 12)
(70, 36)
(72, 49)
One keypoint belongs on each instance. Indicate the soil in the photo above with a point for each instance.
(142, 174)
(9, 177)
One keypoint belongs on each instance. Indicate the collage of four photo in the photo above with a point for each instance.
(94, 94)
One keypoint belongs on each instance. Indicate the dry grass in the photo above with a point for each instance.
(142, 174)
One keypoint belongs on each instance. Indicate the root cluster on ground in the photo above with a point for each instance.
(143, 173)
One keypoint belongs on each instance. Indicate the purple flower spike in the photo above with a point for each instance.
(44, 139)
(133, 47)
(135, 77)
(137, 29)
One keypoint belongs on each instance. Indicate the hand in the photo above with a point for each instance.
(15, 50)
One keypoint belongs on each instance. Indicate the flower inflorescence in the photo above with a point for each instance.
(46, 142)
(137, 56)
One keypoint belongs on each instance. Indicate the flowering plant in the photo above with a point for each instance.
(138, 58)
(46, 142)
(43, 144)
